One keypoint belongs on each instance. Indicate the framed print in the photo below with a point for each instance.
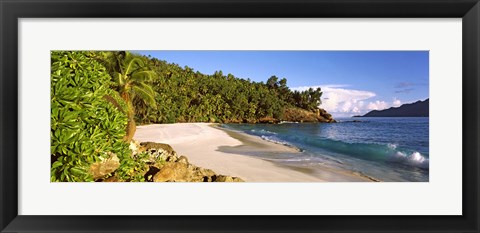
(310, 116)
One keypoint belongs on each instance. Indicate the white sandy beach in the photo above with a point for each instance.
(200, 142)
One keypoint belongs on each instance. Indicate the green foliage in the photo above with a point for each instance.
(308, 100)
(85, 124)
(130, 75)
(133, 168)
(183, 95)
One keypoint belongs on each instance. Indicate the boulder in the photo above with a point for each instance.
(154, 146)
(204, 172)
(177, 172)
(182, 159)
(135, 147)
(167, 166)
(105, 167)
(159, 151)
(222, 178)
(202, 175)
(237, 179)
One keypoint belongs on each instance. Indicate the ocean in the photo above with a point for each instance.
(391, 149)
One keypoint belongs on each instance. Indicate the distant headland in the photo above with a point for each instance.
(417, 109)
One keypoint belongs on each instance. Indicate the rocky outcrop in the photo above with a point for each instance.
(324, 116)
(302, 115)
(158, 152)
(157, 146)
(165, 165)
(268, 120)
(173, 172)
(105, 167)
(226, 179)
(180, 171)
(292, 114)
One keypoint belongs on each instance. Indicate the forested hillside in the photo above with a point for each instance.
(185, 95)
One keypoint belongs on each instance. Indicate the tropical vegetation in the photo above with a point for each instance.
(97, 98)
(129, 74)
(186, 95)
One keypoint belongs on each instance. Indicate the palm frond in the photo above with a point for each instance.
(147, 88)
(146, 93)
(144, 75)
(135, 62)
(120, 79)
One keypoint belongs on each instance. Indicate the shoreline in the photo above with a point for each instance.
(226, 152)
(327, 174)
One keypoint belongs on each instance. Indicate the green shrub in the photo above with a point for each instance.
(133, 169)
(85, 123)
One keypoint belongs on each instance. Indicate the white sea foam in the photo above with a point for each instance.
(287, 122)
(414, 158)
(274, 140)
(262, 131)
(417, 157)
(392, 146)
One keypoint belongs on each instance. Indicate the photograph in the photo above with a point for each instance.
(310, 116)
(239, 116)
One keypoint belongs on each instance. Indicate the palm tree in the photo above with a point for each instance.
(130, 75)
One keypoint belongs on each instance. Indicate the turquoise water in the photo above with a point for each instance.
(388, 149)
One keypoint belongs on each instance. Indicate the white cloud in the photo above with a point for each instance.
(377, 105)
(396, 102)
(343, 102)
(340, 101)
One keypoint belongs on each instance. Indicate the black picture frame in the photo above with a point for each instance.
(12, 10)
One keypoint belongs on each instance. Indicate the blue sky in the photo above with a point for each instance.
(353, 82)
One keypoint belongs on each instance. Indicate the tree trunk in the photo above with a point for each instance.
(131, 127)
